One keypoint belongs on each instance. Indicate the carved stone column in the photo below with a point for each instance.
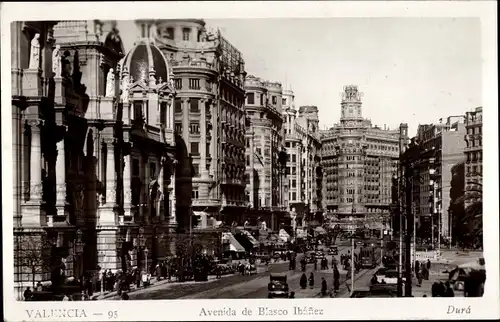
(127, 186)
(171, 191)
(161, 188)
(106, 211)
(110, 172)
(31, 211)
(35, 162)
(60, 178)
(143, 190)
(16, 160)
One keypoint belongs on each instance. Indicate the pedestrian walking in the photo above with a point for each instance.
(323, 287)
(417, 267)
(311, 280)
(419, 279)
(158, 272)
(303, 281)
(28, 294)
(449, 291)
(315, 265)
(428, 264)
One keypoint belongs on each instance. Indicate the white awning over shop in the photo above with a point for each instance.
(284, 236)
(255, 242)
(234, 246)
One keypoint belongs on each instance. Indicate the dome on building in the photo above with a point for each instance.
(144, 58)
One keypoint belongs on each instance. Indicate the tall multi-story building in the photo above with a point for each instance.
(264, 135)
(359, 161)
(209, 118)
(446, 141)
(304, 174)
(92, 165)
(473, 156)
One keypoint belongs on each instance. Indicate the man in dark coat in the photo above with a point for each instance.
(428, 264)
(303, 281)
(311, 280)
(27, 294)
(323, 287)
(336, 279)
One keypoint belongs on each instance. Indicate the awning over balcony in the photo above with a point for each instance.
(234, 246)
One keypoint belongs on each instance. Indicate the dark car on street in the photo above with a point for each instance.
(278, 286)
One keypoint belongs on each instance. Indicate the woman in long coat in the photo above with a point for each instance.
(311, 280)
(303, 281)
(336, 279)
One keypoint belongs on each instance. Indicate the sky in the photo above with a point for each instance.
(410, 70)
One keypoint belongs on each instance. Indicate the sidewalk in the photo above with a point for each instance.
(165, 284)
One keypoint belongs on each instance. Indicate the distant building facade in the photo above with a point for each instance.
(473, 156)
(264, 134)
(303, 170)
(359, 161)
(447, 142)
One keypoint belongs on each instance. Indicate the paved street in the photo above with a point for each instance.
(237, 286)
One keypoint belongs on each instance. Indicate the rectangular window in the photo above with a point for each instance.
(138, 111)
(294, 183)
(152, 169)
(185, 34)
(194, 194)
(294, 171)
(194, 105)
(178, 83)
(283, 101)
(169, 33)
(294, 158)
(194, 128)
(135, 167)
(196, 170)
(261, 99)
(208, 150)
(194, 83)
(163, 113)
(178, 127)
(195, 148)
(275, 100)
(294, 195)
(178, 105)
(250, 98)
(248, 160)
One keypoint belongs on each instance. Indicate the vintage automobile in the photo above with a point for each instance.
(278, 286)
(334, 250)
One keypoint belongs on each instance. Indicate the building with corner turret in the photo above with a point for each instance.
(209, 120)
(358, 161)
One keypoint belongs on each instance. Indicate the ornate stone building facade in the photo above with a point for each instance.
(359, 161)
(264, 135)
(93, 149)
(209, 118)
